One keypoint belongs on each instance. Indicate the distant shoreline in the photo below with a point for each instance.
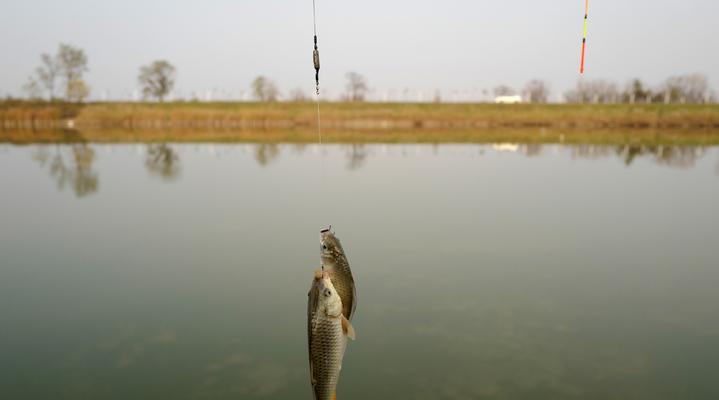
(358, 122)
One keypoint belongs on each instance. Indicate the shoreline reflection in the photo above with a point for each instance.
(73, 165)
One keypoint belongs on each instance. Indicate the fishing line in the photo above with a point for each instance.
(316, 62)
(319, 122)
(316, 51)
(314, 17)
(584, 38)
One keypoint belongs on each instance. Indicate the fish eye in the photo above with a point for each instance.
(328, 293)
(324, 247)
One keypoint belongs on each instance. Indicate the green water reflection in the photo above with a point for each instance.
(504, 271)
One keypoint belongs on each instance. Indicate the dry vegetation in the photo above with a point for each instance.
(364, 122)
(667, 137)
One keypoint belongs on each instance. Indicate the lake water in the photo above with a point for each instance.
(180, 271)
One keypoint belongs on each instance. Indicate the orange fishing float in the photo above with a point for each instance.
(584, 38)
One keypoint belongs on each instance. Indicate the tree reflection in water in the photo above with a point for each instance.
(266, 153)
(299, 148)
(162, 161)
(531, 150)
(73, 167)
(356, 157)
(592, 151)
(672, 156)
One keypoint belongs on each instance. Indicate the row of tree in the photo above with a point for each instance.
(156, 80)
(65, 69)
(73, 166)
(265, 89)
(693, 88)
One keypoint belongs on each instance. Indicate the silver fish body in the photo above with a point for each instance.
(327, 332)
(334, 261)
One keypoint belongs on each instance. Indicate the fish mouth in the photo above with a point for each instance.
(323, 235)
(325, 280)
(325, 230)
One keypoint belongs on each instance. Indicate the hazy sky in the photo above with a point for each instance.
(451, 45)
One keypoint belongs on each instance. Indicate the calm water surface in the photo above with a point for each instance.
(505, 271)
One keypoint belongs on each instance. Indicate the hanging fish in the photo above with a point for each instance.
(327, 333)
(334, 261)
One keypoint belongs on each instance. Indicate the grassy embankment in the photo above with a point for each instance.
(360, 122)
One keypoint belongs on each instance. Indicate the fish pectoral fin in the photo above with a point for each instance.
(313, 381)
(347, 328)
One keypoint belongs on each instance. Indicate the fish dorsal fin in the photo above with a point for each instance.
(347, 328)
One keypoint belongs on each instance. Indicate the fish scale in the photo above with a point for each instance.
(326, 336)
(327, 350)
(334, 261)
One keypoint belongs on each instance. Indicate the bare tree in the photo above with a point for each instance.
(264, 89)
(693, 88)
(598, 91)
(356, 87)
(71, 63)
(32, 89)
(157, 79)
(77, 91)
(636, 92)
(537, 91)
(47, 74)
